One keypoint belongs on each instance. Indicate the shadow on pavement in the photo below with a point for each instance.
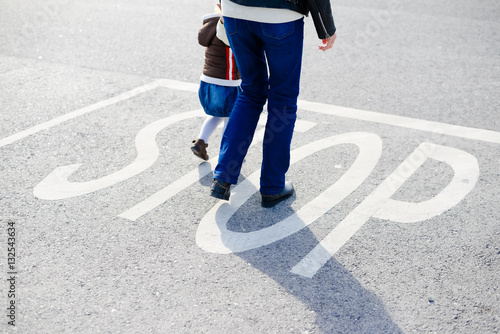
(339, 301)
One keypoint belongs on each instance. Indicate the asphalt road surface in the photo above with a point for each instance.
(107, 225)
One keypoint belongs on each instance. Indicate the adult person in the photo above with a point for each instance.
(267, 35)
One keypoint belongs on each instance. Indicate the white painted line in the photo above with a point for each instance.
(80, 112)
(370, 116)
(179, 85)
(169, 191)
(403, 122)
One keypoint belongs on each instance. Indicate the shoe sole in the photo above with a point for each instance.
(198, 154)
(273, 203)
(223, 196)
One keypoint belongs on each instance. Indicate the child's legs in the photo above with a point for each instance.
(209, 126)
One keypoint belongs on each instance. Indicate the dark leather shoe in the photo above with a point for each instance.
(200, 149)
(220, 189)
(268, 201)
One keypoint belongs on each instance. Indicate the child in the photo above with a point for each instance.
(219, 86)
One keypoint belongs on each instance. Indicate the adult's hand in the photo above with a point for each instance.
(328, 42)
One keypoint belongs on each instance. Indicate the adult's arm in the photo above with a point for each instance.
(321, 13)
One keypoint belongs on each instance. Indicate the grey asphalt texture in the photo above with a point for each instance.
(81, 268)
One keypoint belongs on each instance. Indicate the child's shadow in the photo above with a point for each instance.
(205, 173)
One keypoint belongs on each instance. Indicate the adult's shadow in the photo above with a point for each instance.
(263, 238)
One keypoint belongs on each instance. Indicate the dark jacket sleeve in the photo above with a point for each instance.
(321, 13)
(207, 32)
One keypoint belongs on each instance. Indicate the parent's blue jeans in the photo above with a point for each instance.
(257, 47)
